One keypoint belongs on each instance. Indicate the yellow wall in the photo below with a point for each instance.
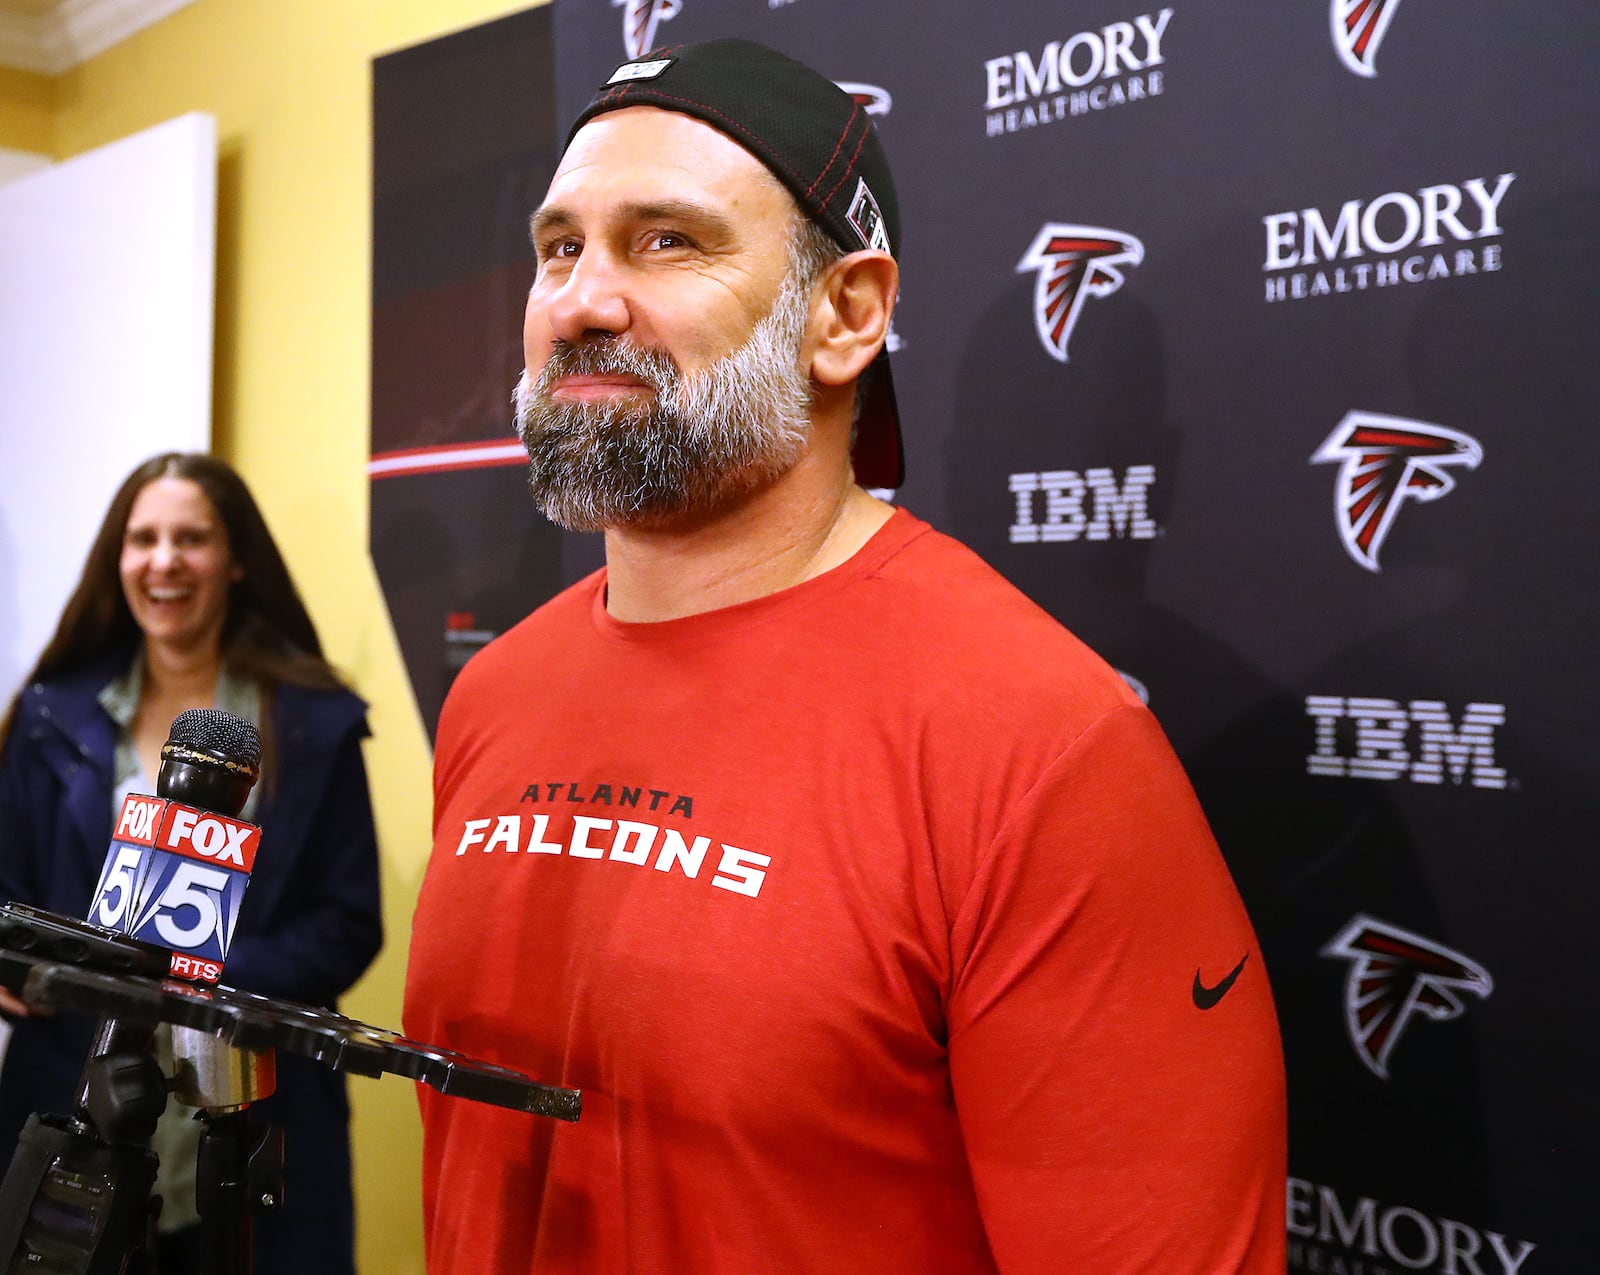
(289, 84)
(26, 105)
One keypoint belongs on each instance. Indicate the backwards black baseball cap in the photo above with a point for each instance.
(819, 142)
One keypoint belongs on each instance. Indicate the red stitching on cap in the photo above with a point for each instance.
(647, 94)
(849, 168)
(837, 147)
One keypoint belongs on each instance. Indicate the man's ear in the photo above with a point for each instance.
(850, 315)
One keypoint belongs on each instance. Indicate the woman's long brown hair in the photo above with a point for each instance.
(267, 633)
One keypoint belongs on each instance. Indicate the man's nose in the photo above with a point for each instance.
(591, 299)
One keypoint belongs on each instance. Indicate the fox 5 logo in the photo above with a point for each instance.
(175, 876)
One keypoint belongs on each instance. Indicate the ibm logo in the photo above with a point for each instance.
(1118, 509)
(1359, 738)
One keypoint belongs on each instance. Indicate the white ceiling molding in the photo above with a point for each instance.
(51, 36)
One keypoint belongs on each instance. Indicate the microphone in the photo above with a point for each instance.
(211, 759)
(76, 1199)
(178, 864)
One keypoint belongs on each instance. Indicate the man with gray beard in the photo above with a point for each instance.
(870, 911)
(739, 423)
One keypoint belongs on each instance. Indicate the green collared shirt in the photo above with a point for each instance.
(120, 698)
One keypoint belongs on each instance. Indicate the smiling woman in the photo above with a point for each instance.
(176, 571)
(185, 602)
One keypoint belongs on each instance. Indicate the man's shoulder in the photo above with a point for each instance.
(935, 583)
(951, 621)
(934, 566)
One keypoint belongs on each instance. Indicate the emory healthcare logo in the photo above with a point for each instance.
(640, 18)
(1394, 976)
(1358, 29)
(1093, 70)
(1073, 262)
(1340, 1234)
(1383, 462)
(1312, 253)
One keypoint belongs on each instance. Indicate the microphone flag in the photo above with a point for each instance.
(174, 876)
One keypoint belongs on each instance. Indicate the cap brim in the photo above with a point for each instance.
(878, 453)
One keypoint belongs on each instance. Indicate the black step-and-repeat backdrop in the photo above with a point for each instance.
(1258, 343)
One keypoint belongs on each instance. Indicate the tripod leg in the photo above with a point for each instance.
(239, 1174)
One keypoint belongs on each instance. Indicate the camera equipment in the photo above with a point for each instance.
(77, 1198)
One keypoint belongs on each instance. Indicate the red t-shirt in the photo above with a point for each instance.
(873, 918)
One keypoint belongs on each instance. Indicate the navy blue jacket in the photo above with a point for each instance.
(310, 924)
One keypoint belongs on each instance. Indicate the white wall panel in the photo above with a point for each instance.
(107, 268)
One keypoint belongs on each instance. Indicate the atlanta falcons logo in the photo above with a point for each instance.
(1385, 461)
(1358, 30)
(1394, 976)
(1074, 262)
(640, 18)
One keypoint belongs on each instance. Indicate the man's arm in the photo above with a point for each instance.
(1113, 1045)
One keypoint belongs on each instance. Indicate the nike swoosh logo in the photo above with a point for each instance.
(1206, 997)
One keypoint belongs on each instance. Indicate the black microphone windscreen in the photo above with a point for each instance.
(218, 734)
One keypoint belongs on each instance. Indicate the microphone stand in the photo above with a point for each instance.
(239, 1170)
(210, 762)
(77, 1199)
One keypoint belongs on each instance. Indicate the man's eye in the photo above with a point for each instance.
(665, 240)
(558, 248)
